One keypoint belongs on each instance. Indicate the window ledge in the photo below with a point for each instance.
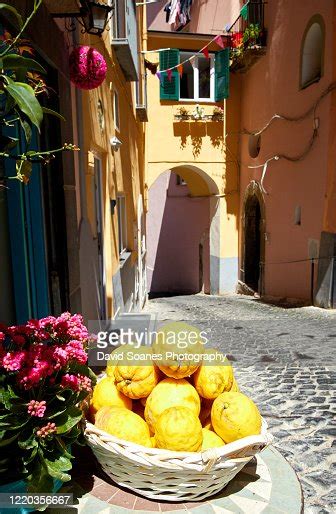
(123, 258)
(310, 83)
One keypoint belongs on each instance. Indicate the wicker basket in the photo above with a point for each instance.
(173, 476)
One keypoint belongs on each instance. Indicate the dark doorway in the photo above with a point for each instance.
(252, 242)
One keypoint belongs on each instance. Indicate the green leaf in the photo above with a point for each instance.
(26, 100)
(29, 457)
(53, 113)
(61, 446)
(57, 467)
(40, 481)
(5, 442)
(51, 414)
(8, 143)
(27, 439)
(68, 419)
(27, 130)
(10, 104)
(18, 62)
(13, 11)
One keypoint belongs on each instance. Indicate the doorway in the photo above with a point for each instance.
(252, 256)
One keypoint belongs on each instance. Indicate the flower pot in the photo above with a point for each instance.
(20, 487)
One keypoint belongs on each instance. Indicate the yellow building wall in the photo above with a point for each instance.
(122, 170)
(181, 145)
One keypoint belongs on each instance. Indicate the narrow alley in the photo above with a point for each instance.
(285, 359)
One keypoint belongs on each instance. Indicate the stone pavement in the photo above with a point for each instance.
(284, 359)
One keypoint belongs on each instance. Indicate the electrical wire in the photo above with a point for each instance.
(311, 110)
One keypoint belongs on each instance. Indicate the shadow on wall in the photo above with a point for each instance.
(197, 130)
(177, 238)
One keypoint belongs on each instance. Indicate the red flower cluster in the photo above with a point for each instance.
(42, 348)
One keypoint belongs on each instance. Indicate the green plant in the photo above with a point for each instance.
(251, 34)
(21, 82)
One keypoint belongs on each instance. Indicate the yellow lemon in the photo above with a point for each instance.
(170, 392)
(212, 379)
(180, 348)
(153, 441)
(234, 387)
(136, 381)
(105, 393)
(179, 429)
(124, 424)
(234, 415)
(110, 370)
(211, 439)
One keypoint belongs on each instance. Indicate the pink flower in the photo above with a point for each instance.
(77, 382)
(61, 356)
(46, 430)
(2, 337)
(36, 408)
(47, 323)
(13, 361)
(76, 351)
(70, 381)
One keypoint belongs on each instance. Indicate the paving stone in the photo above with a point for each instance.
(295, 385)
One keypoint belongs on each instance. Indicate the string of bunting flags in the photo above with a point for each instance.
(223, 41)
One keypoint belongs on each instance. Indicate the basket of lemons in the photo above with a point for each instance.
(173, 430)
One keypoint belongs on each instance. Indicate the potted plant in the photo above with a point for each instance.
(182, 114)
(218, 113)
(251, 35)
(44, 378)
(198, 113)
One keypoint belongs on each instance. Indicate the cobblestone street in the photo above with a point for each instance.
(284, 359)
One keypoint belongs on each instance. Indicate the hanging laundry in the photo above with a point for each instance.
(167, 10)
(178, 13)
(174, 11)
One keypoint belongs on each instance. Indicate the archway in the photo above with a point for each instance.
(253, 237)
(180, 226)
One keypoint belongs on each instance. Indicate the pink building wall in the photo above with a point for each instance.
(273, 86)
(176, 225)
(207, 17)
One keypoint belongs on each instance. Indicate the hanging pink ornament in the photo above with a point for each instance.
(87, 67)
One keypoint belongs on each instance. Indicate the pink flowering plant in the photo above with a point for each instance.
(44, 379)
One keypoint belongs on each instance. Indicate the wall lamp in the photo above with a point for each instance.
(115, 143)
(93, 16)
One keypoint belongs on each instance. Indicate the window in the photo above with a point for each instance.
(197, 82)
(116, 111)
(312, 52)
(122, 223)
(118, 19)
(205, 80)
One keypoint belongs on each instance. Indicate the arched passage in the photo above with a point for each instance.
(181, 221)
(253, 237)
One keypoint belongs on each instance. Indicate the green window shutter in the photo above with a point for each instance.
(222, 74)
(170, 89)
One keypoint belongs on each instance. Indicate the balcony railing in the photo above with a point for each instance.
(249, 36)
